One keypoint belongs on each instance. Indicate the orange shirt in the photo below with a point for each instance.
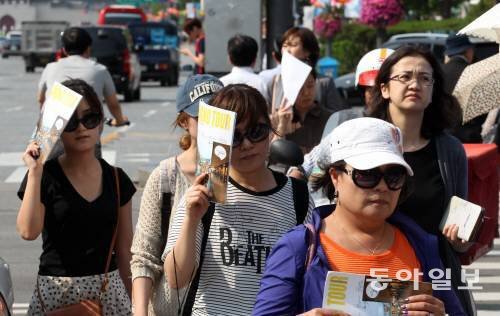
(400, 256)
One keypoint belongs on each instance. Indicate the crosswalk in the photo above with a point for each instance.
(14, 160)
(488, 298)
(12, 168)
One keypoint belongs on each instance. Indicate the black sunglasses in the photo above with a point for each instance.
(90, 121)
(254, 134)
(394, 177)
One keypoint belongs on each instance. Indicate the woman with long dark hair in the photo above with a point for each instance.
(409, 92)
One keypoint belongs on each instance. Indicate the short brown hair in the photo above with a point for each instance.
(190, 24)
(308, 39)
(248, 103)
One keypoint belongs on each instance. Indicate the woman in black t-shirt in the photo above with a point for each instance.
(71, 200)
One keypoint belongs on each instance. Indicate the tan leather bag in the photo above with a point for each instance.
(88, 307)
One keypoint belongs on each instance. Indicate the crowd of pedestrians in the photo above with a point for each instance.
(389, 170)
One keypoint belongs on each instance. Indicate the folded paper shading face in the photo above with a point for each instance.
(215, 139)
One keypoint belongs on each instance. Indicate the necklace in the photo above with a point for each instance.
(371, 251)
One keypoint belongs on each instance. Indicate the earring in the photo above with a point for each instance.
(336, 198)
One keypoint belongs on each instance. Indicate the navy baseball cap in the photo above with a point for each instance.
(456, 44)
(196, 88)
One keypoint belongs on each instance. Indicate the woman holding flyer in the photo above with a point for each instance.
(301, 43)
(73, 202)
(302, 122)
(165, 187)
(365, 174)
(216, 253)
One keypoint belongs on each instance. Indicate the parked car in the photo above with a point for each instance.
(157, 45)
(13, 44)
(112, 47)
(434, 42)
(6, 290)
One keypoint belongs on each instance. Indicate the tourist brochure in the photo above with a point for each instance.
(467, 215)
(294, 73)
(55, 114)
(215, 139)
(360, 295)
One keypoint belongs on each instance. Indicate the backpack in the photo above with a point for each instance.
(300, 194)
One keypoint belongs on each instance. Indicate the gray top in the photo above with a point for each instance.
(78, 67)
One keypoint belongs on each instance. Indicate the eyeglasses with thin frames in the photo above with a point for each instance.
(406, 78)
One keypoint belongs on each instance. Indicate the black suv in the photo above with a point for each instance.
(157, 45)
(112, 47)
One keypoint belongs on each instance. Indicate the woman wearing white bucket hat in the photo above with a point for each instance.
(362, 232)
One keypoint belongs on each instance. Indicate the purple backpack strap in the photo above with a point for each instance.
(311, 249)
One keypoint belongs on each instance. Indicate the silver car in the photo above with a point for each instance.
(6, 291)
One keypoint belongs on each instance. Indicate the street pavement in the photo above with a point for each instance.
(137, 149)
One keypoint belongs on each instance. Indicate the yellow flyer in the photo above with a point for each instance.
(214, 140)
(55, 114)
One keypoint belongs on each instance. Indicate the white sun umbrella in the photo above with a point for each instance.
(487, 26)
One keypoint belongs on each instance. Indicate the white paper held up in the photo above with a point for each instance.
(294, 73)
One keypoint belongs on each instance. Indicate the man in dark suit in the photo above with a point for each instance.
(460, 52)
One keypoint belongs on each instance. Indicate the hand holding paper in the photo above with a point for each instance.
(294, 73)
(464, 216)
(31, 156)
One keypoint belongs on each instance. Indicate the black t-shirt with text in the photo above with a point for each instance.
(77, 233)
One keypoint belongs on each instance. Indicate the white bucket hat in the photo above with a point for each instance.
(366, 143)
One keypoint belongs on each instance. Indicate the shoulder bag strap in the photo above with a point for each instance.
(273, 94)
(166, 197)
(207, 222)
(113, 240)
(300, 199)
(311, 249)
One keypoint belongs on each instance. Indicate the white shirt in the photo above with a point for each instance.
(247, 76)
(269, 74)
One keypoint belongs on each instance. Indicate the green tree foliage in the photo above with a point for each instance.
(425, 9)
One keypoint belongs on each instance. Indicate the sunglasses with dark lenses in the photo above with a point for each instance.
(394, 177)
(254, 134)
(90, 121)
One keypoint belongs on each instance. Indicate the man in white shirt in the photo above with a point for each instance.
(268, 74)
(242, 51)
